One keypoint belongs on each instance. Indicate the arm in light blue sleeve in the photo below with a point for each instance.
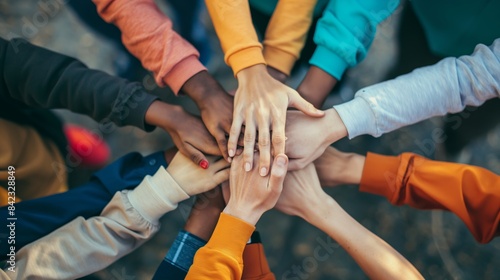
(345, 32)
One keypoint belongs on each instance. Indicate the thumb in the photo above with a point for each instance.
(278, 172)
(301, 104)
(221, 176)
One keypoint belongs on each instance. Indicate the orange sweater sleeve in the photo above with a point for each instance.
(471, 192)
(233, 24)
(256, 266)
(287, 32)
(222, 256)
(147, 33)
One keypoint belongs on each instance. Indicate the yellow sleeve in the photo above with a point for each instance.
(222, 256)
(287, 33)
(233, 24)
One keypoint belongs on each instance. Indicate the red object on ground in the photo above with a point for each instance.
(86, 147)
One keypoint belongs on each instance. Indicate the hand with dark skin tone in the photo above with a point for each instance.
(316, 86)
(188, 132)
(215, 104)
(205, 213)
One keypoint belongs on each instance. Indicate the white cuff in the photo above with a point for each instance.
(358, 117)
(156, 195)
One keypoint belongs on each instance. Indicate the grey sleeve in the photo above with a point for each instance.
(446, 87)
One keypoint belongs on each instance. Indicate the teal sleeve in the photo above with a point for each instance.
(345, 32)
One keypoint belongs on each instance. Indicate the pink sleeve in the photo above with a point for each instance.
(147, 33)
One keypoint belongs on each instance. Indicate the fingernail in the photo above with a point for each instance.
(281, 161)
(204, 164)
(248, 167)
(263, 171)
(229, 159)
(231, 152)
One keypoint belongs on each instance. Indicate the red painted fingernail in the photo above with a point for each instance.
(204, 164)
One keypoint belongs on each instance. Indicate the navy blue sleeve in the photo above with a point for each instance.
(39, 217)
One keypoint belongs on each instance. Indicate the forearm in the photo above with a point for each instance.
(87, 200)
(41, 78)
(147, 33)
(316, 86)
(377, 258)
(225, 250)
(446, 87)
(470, 192)
(233, 24)
(286, 33)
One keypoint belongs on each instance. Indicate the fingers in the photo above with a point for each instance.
(264, 148)
(234, 134)
(219, 165)
(221, 176)
(195, 156)
(249, 143)
(278, 173)
(300, 103)
(295, 164)
(220, 137)
(278, 135)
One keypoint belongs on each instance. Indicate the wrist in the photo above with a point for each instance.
(201, 87)
(354, 170)
(334, 126)
(319, 215)
(162, 114)
(250, 215)
(316, 86)
(251, 72)
(202, 222)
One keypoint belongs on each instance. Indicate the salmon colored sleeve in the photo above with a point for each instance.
(222, 257)
(233, 24)
(287, 32)
(147, 33)
(471, 192)
(256, 266)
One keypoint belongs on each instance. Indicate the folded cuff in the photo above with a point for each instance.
(184, 70)
(231, 236)
(358, 117)
(329, 62)
(255, 262)
(157, 195)
(245, 58)
(380, 175)
(279, 59)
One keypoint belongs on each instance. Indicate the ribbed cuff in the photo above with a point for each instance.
(329, 62)
(358, 117)
(279, 59)
(182, 252)
(380, 175)
(157, 195)
(245, 58)
(182, 72)
(231, 236)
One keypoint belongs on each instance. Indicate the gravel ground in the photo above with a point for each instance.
(437, 243)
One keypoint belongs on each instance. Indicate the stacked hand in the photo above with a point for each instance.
(251, 194)
(260, 104)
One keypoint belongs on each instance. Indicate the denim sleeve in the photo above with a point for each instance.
(179, 258)
(39, 217)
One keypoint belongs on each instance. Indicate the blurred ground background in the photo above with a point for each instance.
(437, 243)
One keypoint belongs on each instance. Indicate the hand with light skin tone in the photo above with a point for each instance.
(183, 170)
(309, 137)
(215, 104)
(302, 196)
(338, 168)
(252, 194)
(316, 86)
(188, 132)
(260, 105)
